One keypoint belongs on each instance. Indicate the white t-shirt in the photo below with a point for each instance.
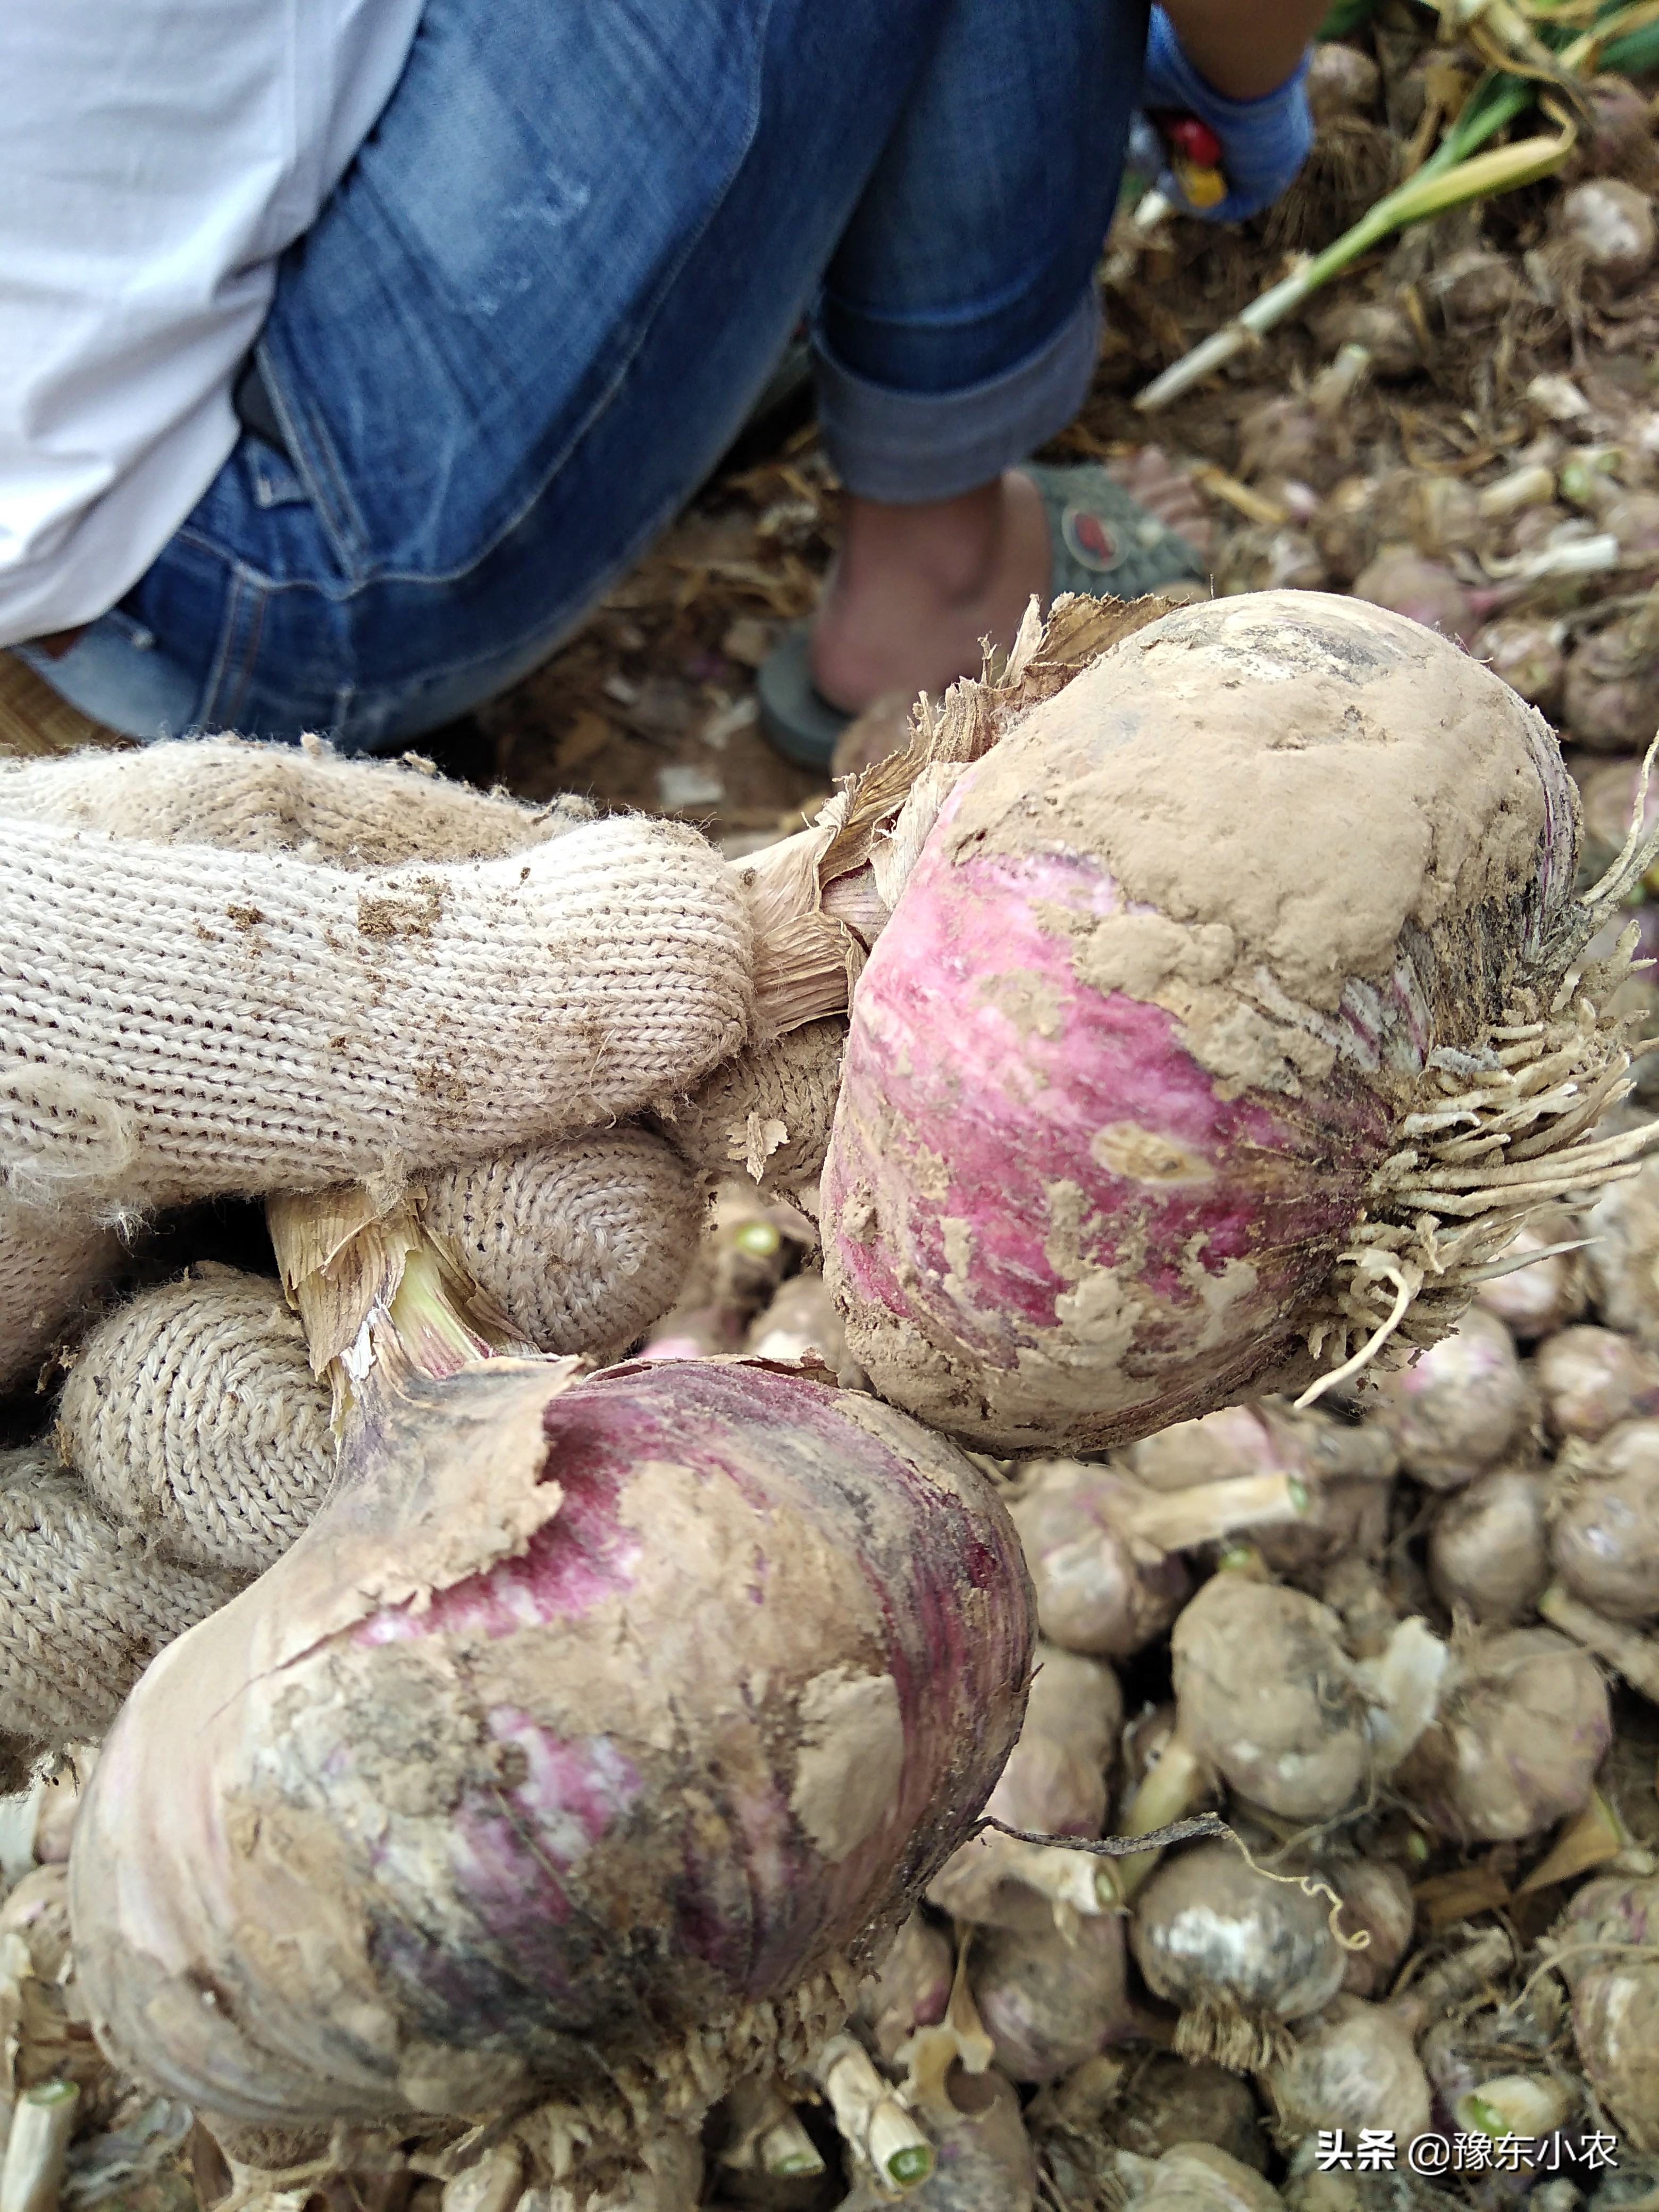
(156, 157)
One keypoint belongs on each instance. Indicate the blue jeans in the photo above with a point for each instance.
(549, 287)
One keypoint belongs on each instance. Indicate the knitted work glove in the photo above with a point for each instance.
(581, 1243)
(192, 1415)
(97, 1151)
(83, 1609)
(766, 1114)
(50, 1264)
(1264, 141)
(306, 800)
(251, 798)
(178, 1021)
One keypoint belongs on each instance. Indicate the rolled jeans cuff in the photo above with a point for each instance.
(904, 447)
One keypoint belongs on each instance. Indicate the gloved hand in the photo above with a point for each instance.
(616, 1203)
(1264, 141)
(179, 1000)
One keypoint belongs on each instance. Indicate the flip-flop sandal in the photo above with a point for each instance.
(1102, 542)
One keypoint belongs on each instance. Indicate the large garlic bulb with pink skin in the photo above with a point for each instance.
(1183, 961)
(586, 1727)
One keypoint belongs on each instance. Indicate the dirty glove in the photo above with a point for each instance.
(182, 1020)
(84, 1608)
(639, 909)
(1264, 141)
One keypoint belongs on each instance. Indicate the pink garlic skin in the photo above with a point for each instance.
(1603, 1541)
(1524, 1720)
(1609, 224)
(1534, 1301)
(1615, 1910)
(1005, 1138)
(1606, 1937)
(1342, 81)
(1377, 1900)
(912, 1988)
(723, 1714)
(1219, 1447)
(1621, 127)
(1353, 2067)
(1107, 1122)
(1523, 651)
(1489, 1547)
(1207, 1929)
(1287, 437)
(1634, 522)
(1053, 1784)
(590, 1556)
(698, 1333)
(1268, 1698)
(1611, 703)
(985, 2158)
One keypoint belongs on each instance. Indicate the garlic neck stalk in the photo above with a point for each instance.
(959, 2040)
(1170, 1787)
(767, 2134)
(1178, 1520)
(42, 2123)
(873, 2123)
(819, 898)
(381, 1298)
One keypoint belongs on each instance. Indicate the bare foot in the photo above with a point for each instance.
(916, 588)
(1166, 491)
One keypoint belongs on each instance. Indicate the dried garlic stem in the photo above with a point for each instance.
(767, 2136)
(1087, 1884)
(786, 2151)
(1170, 1787)
(1402, 1686)
(960, 2039)
(873, 2122)
(1176, 1521)
(1595, 1836)
(817, 899)
(1529, 2105)
(380, 1297)
(41, 2127)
